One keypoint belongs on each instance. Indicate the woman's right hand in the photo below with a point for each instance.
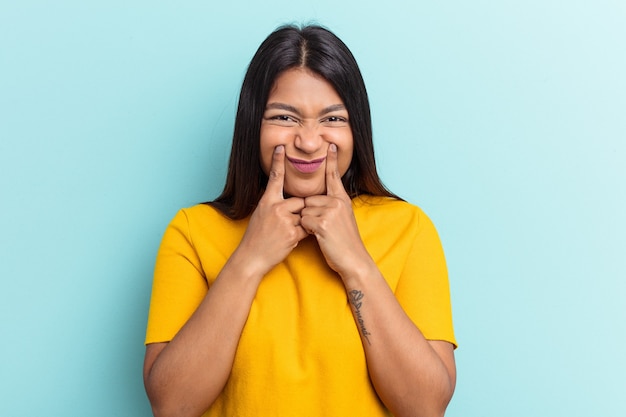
(274, 229)
(186, 375)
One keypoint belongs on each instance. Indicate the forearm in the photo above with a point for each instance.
(191, 371)
(410, 377)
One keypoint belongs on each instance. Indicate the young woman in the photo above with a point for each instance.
(306, 288)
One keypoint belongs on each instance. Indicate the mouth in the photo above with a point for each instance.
(306, 167)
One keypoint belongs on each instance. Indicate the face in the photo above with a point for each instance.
(305, 114)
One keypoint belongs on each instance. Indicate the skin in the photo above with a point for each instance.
(412, 376)
(305, 114)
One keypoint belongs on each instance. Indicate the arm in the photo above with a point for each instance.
(412, 376)
(185, 376)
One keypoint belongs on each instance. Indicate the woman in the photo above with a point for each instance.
(306, 288)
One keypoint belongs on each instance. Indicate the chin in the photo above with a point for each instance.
(303, 192)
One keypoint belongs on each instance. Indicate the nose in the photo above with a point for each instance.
(308, 138)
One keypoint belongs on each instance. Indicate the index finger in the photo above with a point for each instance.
(334, 186)
(276, 177)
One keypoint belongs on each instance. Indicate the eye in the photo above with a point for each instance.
(335, 120)
(282, 119)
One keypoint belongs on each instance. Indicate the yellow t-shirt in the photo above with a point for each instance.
(300, 353)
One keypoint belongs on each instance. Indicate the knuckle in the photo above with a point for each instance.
(322, 225)
(262, 203)
(275, 174)
(275, 209)
(292, 235)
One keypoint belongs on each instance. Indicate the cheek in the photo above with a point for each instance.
(345, 155)
(344, 163)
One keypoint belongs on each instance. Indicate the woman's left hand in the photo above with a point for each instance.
(331, 220)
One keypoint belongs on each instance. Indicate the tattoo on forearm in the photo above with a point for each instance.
(355, 299)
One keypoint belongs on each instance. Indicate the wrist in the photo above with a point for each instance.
(248, 268)
(359, 274)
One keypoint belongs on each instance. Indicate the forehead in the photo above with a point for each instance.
(300, 84)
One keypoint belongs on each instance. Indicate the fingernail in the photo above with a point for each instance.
(333, 147)
(279, 149)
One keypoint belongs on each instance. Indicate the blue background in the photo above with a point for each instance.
(505, 121)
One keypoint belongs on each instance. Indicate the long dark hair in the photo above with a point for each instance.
(322, 52)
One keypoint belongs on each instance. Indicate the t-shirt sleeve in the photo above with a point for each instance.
(423, 289)
(179, 284)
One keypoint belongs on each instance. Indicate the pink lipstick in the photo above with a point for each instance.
(306, 167)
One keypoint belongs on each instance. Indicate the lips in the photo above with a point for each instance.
(306, 167)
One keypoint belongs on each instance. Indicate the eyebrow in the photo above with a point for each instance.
(290, 108)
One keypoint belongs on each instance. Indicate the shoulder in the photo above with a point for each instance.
(204, 219)
(376, 207)
(205, 225)
(392, 218)
(205, 214)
